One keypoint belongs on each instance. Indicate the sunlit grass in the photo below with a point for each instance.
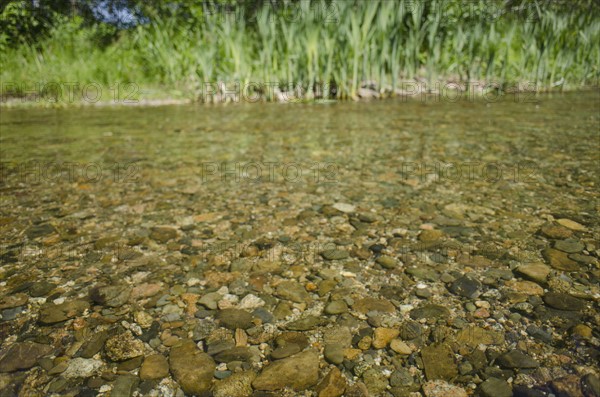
(352, 44)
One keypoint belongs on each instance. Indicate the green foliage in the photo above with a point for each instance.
(347, 44)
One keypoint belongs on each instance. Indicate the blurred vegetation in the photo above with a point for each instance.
(346, 44)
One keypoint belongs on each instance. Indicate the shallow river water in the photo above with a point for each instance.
(363, 221)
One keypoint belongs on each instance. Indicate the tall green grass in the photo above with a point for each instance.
(346, 44)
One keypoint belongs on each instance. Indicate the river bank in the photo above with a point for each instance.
(129, 94)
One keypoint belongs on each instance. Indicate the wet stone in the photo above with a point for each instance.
(123, 347)
(235, 318)
(586, 259)
(154, 366)
(582, 331)
(383, 336)
(41, 288)
(539, 334)
(568, 385)
(163, 234)
(240, 353)
(430, 312)
(570, 246)
(401, 377)
(125, 385)
(474, 336)
(439, 362)
(293, 291)
(375, 381)
(440, 388)
(131, 364)
(537, 272)
(82, 368)
(298, 372)
(58, 385)
(94, 344)
(305, 324)
(43, 229)
(12, 301)
(524, 287)
(423, 273)
(341, 335)
(112, 296)
(466, 286)
(563, 301)
(410, 330)
(191, 368)
(51, 313)
(400, 347)
(516, 359)
(494, 387)
(366, 305)
(285, 351)
(11, 314)
(555, 231)
(568, 223)
(430, 235)
(289, 343)
(332, 385)
(236, 385)
(210, 300)
(334, 353)
(387, 262)
(336, 307)
(218, 346)
(22, 356)
(559, 260)
(334, 254)
(590, 385)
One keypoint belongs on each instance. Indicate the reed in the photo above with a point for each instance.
(347, 44)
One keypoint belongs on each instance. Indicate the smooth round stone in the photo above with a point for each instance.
(400, 347)
(11, 314)
(465, 368)
(410, 330)
(285, 351)
(582, 331)
(401, 377)
(430, 312)
(590, 384)
(494, 387)
(516, 359)
(334, 353)
(222, 374)
(570, 246)
(155, 366)
(202, 313)
(335, 254)
(537, 272)
(515, 317)
(235, 318)
(171, 317)
(263, 314)
(561, 301)
(336, 307)
(466, 286)
(387, 262)
(555, 231)
(239, 353)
